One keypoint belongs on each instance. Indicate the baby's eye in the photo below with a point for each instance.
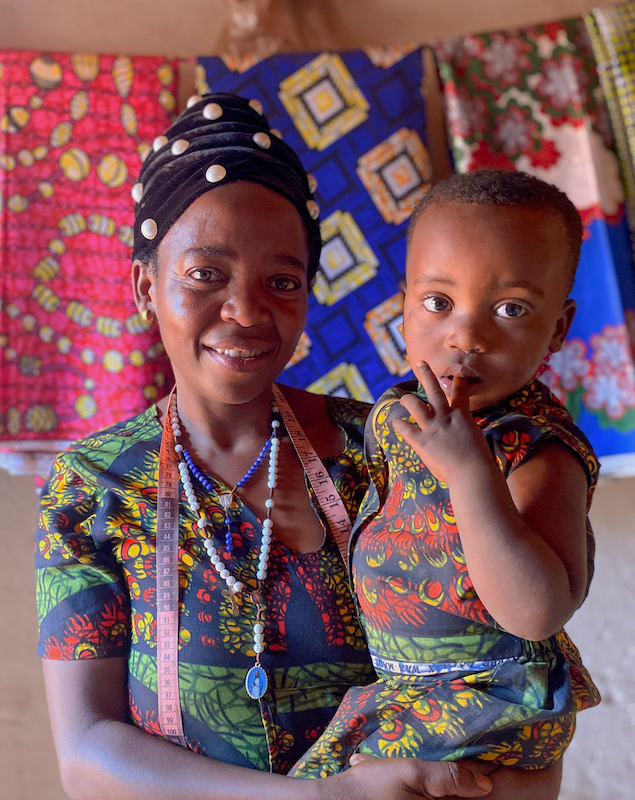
(510, 310)
(434, 303)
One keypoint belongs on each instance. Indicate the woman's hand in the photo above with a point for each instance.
(445, 436)
(406, 778)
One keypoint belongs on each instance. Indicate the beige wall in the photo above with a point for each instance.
(601, 759)
(28, 768)
(191, 27)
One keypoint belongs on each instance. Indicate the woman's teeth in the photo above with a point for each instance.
(239, 353)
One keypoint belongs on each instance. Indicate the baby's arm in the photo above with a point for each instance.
(524, 538)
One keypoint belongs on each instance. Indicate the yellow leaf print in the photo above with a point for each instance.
(428, 484)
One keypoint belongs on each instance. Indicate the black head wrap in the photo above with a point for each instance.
(219, 139)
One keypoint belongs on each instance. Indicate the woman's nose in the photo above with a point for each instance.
(244, 305)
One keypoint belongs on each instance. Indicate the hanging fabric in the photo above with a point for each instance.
(529, 99)
(612, 34)
(357, 121)
(75, 354)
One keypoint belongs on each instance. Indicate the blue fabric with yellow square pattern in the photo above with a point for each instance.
(357, 121)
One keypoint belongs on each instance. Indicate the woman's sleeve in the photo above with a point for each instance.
(82, 600)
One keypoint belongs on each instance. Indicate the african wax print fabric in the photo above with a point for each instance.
(452, 684)
(612, 34)
(530, 100)
(75, 354)
(96, 579)
(357, 121)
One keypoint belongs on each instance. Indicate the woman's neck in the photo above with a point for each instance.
(211, 428)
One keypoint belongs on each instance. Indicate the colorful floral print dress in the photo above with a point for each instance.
(95, 559)
(452, 684)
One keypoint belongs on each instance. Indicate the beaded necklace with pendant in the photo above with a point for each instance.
(256, 679)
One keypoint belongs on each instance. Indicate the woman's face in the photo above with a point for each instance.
(229, 291)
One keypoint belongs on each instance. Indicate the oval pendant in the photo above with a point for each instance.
(256, 682)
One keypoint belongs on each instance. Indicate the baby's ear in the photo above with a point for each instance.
(562, 325)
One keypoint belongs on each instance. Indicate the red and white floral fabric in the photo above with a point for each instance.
(530, 100)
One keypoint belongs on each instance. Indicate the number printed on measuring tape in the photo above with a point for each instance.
(167, 570)
(326, 494)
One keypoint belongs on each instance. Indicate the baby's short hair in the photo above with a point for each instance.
(499, 187)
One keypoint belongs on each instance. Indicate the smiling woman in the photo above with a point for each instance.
(227, 628)
(229, 287)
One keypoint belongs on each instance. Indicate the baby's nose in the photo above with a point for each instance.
(469, 336)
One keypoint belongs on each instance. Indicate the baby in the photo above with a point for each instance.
(472, 547)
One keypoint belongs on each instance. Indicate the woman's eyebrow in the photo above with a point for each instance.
(209, 251)
(285, 260)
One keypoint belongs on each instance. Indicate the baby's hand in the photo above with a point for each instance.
(445, 436)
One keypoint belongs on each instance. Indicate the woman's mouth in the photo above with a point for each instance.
(239, 358)
(234, 353)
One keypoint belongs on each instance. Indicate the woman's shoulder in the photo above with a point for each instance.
(317, 412)
(97, 453)
(347, 411)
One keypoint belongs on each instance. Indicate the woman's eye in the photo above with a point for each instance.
(203, 274)
(436, 304)
(285, 284)
(510, 310)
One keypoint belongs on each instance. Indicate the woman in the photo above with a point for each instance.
(226, 244)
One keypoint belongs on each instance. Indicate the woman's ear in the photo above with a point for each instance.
(143, 288)
(562, 326)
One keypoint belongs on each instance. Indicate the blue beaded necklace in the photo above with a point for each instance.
(256, 680)
(226, 499)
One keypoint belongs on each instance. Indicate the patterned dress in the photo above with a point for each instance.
(452, 684)
(95, 559)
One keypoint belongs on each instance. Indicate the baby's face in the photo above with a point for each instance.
(485, 298)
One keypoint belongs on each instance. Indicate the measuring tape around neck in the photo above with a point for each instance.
(167, 566)
(330, 502)
(167, 553)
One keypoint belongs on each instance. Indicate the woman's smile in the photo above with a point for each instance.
(238, 358)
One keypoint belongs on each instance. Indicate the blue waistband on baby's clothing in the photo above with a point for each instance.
(424, 669)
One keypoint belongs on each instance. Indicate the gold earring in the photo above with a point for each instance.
(146, 316)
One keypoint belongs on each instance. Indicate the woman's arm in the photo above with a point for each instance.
(508, 782)
(524, 538)
(102, 757)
